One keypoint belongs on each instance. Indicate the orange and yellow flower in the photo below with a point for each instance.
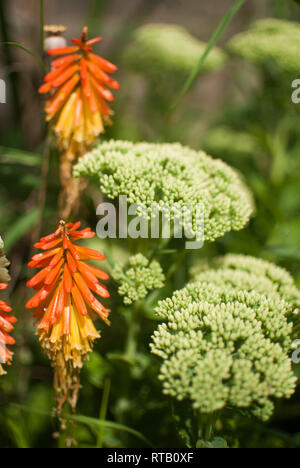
(6, 327)
(65, 305)
(78, 83)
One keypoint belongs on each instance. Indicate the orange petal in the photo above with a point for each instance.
(54, 273)
(89, 254)
(61, 95)
(78, 300)
(72, 264)
(95, 271)
(60, 80)
(65, 61)
(63, 50)
(104, 64)
(91, 42)
(45, 88)
(98, 73)
(68, 281)
(40, 276)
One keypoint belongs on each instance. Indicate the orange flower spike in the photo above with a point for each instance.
(65, 304)
(78, 119)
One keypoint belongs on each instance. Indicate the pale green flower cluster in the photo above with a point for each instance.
(163, 176)
(139, 278)
(263, 276)
(166, 49)
(4, 276)
(227, 337)
(270, 41)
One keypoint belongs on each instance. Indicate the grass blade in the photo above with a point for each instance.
(21, 227)
(36, 58)
(98, 423)
(91, 422)
(213, 41)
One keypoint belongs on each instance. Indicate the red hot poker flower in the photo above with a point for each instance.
(79, 85)
(65, 304)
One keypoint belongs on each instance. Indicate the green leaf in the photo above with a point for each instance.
(21, 227)
(92, 422)
(36, 57)
(17, 434)
(16, 156)
(211, 44)
(284, 252)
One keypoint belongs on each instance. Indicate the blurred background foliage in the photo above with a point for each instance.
(239, 110)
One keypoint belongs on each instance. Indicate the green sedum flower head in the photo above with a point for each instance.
(270, 41)
(166, 49)
(139, 278)
(227, 337)
(160, 176)
(4, 276)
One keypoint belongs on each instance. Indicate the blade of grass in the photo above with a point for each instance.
(111, 425)
(16, 156)
(21, 227)
(91, 422)
(36, 58)
(103, 411)
(211, 44)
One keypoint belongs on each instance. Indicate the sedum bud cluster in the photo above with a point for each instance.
(226, 339)
(139, 278)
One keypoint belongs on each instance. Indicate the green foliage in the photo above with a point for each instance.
(230, 143)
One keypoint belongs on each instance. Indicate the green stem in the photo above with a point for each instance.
(206, 426)
(103, 410)
(133, 331)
